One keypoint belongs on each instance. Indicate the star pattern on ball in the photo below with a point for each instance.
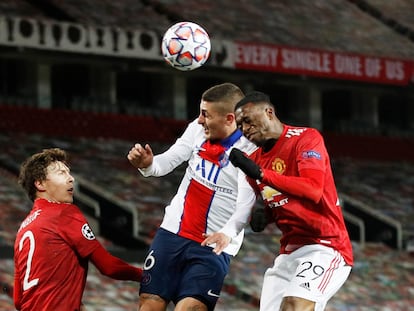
(186, 46)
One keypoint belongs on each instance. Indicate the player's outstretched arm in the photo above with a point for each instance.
(114, 267)
(17, 291)
(308, 185)
(140, 157)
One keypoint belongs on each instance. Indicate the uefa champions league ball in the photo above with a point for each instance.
(186, 46)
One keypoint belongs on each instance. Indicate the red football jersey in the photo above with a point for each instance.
(51, 250)
(301, 220)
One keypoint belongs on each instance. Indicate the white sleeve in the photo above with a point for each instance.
(179, 152)
(246, 198)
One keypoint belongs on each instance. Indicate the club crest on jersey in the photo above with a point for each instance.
(87, 232)
(279, 166)
(223, 160)
(146, 279)
(311, 154)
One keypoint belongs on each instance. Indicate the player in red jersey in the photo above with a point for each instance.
(292, 172)
(55, 243)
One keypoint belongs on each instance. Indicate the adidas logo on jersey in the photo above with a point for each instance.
(294, 132)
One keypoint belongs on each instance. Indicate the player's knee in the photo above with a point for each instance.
(151, 307)
(297, 304)
(190, 303)
(148, 302)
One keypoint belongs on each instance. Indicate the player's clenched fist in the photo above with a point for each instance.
(140, 157)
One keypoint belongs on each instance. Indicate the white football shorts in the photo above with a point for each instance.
(313, 272)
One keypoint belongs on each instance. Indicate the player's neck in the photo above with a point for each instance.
(268, 144)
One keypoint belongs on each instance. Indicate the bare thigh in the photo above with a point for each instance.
(296, 304)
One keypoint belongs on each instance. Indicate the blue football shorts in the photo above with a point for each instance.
(176, 267)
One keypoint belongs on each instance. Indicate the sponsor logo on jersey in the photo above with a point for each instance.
(279, 203)
(205, 182)
(270, 195)
(87, 232)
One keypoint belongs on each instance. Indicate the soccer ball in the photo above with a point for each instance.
(186, 46)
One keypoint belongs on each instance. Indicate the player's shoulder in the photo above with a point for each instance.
(70, 209)
(194, 128)
(245, 145)
(53, 208)
(300, 131)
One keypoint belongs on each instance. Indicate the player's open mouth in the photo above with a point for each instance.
(250, 135)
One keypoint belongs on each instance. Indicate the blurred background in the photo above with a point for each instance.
(88, 76)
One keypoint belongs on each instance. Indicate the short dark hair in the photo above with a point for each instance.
(254, 97)
(225, 95)
(35, 168)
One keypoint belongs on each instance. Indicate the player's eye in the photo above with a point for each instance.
(245, 122)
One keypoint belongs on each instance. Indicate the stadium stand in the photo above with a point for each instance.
(113, 14)
(373, 163)
(397, 15)
(339, 26)
(21, 8)
(13, 207)
(387, 186)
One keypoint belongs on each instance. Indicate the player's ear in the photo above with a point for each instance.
(230, 117)
(270, 112)
(39, 184)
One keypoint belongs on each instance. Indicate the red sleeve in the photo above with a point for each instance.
(114, 267)
(17, 292)
(308, 185)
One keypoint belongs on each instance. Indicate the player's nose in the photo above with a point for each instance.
(71, 179)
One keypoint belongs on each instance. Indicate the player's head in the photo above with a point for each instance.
(224, 96)
(217, 110)
(255, 116)
(255, 98)
(47, 175)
